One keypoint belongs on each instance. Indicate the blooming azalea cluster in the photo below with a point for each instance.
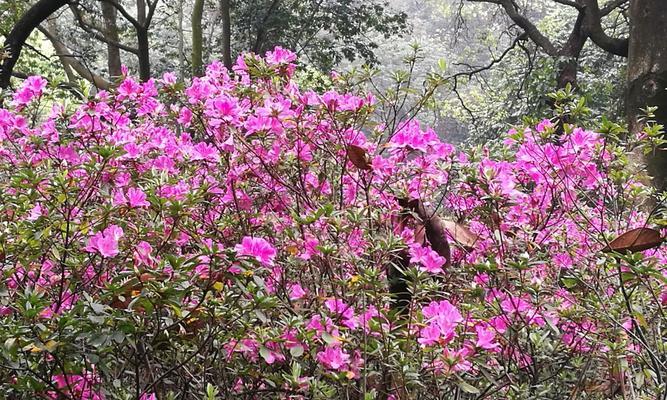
(223, 232)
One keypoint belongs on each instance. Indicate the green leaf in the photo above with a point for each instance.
(328, 338)
(98, 308)
(468, 388)
(265, 353)
(296, 351)
(570, 282)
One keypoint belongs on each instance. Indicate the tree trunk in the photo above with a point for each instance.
(567, 73)
(647, 75)
(144, 54)
(197, 62)
(181, 43)
(19, 34)
(141, 11)
(111, 32)
(568, 55)
(226, 33)
(52, 27)
(142, 42)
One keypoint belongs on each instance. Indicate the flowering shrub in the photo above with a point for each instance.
(233, 238)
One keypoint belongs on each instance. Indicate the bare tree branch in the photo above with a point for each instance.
(569, 3)
(524, 23)
(494, 61)
(593, 27)
(535, 35)
(95, 32)
(606, 10)
(64, 53)
(15, 40)
(125, 13)
(477, 70)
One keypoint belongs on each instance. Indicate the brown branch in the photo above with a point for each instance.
(125, 14)
(473, 71)
(151, 12)
(530, 28)
(570, 3)
(95, 32)
(593, 28)
(65, 55)
(493, 61)
(524, 23)
(577, 38)
(606, 10)
(16, 39)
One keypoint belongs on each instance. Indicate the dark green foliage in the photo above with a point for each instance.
(324, 32)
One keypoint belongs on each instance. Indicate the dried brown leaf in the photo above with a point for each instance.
(634, 240)
(461, 234)
(437, 237)
(358, 157)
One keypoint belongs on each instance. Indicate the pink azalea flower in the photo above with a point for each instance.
(338, 306)
(106, 242)
(333, 358)
(444, 316)
(184, 116)
(429, 335)
(137, 198)
(258, 248)
(430, 260)
(296, 292)
(142, 254)
(36, 212)
(169, 78)
(205, 151)
(486, 338)
(77, 386)
(280, 56)
(118, 198)
(32, 87)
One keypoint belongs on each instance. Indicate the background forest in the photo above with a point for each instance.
(497, 72)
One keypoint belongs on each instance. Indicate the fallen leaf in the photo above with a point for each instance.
(634, 240)
(358, 157)
(461, 234)
(437, 238)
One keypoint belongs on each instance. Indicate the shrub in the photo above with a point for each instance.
(233, 238)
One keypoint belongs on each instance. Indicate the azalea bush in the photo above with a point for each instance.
(240, 236)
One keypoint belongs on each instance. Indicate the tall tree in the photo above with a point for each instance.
(323, 32)
(141, 23)
(645, 48)
(197, 38)
(647, 74)
(225, 13)
(111, 33)
(15, 40)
